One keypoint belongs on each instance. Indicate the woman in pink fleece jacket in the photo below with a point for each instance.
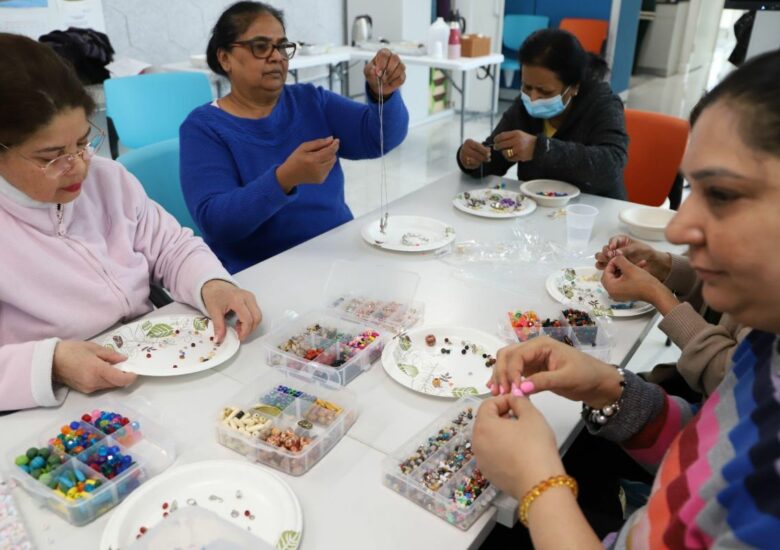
(80, 240)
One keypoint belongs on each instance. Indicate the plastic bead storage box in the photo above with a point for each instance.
(286, 421)
(83, 467)
(437, 469)
(364, 305)
(589, 333)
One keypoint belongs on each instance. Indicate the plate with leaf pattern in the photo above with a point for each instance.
(494, 203)
(581, 287)
(169, 345)
(251, 497)
(458, 363)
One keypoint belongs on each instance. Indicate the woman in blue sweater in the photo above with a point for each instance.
(260, 167)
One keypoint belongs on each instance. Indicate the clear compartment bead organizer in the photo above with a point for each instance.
(104, 464)
(286, 421)
(436, 469)
(364, 305)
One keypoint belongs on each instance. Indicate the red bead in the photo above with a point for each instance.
(165, 505)
(143, 530)
(247, 513)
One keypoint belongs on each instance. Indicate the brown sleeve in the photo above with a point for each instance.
(706, 349)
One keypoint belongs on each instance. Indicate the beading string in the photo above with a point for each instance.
(383, 209)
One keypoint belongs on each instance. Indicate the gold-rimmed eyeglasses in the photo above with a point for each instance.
(58, 166)
(264, 49)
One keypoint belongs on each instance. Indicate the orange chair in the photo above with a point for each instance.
(592, 33)
(655, 151)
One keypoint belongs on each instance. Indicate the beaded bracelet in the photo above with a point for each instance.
(541, 487)
(602, 415)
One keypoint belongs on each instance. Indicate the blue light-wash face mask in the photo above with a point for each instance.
(548, 107)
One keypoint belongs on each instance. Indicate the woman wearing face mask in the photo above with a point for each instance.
(716, 465)
(81, 242)
(565, 125)
(260, 167)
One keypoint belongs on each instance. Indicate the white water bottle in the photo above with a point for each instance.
(439, 32)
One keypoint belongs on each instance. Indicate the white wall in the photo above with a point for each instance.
(167, 31)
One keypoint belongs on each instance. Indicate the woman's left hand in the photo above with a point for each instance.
(514, 451)
(515, 145)
(222, 297)
(387, 66)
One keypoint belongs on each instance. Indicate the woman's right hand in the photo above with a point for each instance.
(550, 365)
(87, 367)
(658, 264)
(311, 162)
(473, 153)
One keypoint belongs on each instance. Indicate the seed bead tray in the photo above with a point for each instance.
(83, 467)
(286, 421)
(325, 346)
(437, 470)
(580, 329)
(389, 314)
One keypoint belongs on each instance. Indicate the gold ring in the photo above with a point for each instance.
(510, 153)
(469, 161)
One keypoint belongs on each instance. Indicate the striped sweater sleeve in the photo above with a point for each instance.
(647, 423)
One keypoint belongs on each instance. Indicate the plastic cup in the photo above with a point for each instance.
(579, 225)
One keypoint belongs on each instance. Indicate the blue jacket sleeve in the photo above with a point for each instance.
(213, 190)
(356, 124)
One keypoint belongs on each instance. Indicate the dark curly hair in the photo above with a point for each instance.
(234, 22)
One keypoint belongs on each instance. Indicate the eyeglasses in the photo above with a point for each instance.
(264, 49)
(63, 163)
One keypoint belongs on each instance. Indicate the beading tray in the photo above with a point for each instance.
(286, 420)
(436, 469)
(149, 446)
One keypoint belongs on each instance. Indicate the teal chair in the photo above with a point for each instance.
(516, 29)
(149, 108)
(157, 168)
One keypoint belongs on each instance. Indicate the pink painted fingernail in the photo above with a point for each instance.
(517, 392)
(490, 384)
(527, 387)
(502, 390)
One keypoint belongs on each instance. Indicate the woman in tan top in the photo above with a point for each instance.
(660, 278)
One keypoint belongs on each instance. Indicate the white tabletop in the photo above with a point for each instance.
(461, 64)
(344, 502)
(333, 56)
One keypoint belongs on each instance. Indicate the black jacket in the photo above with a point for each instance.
(589, 150)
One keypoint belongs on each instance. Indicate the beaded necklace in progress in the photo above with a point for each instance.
(383, 208)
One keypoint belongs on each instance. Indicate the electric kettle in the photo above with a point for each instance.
(361, 29)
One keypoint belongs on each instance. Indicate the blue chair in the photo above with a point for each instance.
(516, 29)
(149, 108)
(157, 168)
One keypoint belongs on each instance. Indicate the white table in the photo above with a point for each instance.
(336, 58)
(332, 59)
(344, 502)
(463, 64)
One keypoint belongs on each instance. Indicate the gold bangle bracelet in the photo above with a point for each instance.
(541, 487)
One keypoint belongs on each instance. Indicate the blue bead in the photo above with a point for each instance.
(37, 462)
(66, 482)
(80, 476)
(103, 451)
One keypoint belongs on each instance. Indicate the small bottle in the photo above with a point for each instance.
(453, 46)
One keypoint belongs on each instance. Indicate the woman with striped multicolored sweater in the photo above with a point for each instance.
(718, 465)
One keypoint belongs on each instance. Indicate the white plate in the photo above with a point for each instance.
(425, 369)
(647, 222)
(409, 234)
(278, 517)
(481, 202)
(532, 188)
(581, 286)
(155, 346)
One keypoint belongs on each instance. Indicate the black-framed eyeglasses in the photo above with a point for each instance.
(264, 49)
(63, 163)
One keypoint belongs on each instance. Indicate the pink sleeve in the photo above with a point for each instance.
(25, 376)
(179, 261)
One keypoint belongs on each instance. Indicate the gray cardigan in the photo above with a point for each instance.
(589, 150)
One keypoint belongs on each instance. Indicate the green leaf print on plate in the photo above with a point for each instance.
(288, 540)
(462, 392)
(146, 325)
(409, 370)
(200, 323)
(160, 330)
